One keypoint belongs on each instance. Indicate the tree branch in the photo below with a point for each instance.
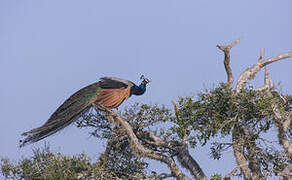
(236, 134)
(250, 72)
(185, 137)
(187, 161)
(138, 147)
(268, 84)
(184, 157)
(164, 176)
(238, 153)
(226, 50)
(253, 162)
(286, 172)
(283, 123)
(229, 175)
(276, 58)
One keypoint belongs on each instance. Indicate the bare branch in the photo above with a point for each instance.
(226, 50)
(276, 58)
(229, 175)
(250, 73)
(261, 55)
(235, 42)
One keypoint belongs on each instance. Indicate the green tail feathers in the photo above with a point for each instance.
(65, 115)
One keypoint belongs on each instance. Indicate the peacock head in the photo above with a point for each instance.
(144, 80)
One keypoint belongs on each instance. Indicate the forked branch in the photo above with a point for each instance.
(250, 72)
(226, 50)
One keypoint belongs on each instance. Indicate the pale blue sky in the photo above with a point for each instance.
(50, 49)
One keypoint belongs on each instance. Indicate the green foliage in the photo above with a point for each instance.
(141, 116)
(121, 160)
(119, 157)
(272, 160)
(47, 165)
(212, 114)
(217, 111)
(216, 177)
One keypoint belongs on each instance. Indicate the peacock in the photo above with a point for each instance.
(109, 92)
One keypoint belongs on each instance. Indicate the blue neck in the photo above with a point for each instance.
(143, 87)
(138, 90)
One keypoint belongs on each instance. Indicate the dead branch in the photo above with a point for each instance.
(250, 72)
(226, 50)
(276, 58)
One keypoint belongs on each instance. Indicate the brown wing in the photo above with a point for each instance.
(112, 98)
